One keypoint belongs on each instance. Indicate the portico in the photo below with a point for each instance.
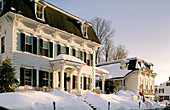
(70, 73)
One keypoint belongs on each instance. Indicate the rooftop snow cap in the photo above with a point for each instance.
(68, 58)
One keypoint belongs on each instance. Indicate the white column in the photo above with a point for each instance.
(62, 68)
(122, 85)
(78, 80)
(93, 83)
(37, 78)
(103, 83)
(57, 78)
(82, 82)
(54, 79)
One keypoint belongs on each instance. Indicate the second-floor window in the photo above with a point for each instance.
(167, 84)
(161, 90)
(46, 48)
(62, 49)
(2, 45)
(28, 43)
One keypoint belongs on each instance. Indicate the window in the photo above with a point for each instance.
(39, 10)
(28, 77)
(88, 59)
(44, 79)
(2, 45)
(161, 90)
(167, 84)
(64, 50)
(45, 48)
(84, 29)
(2, 3)
(28, 43)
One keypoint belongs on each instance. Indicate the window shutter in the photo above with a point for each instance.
(67, 50)
(58, 49)
(85, 57)
(22, 74)
(34, 45)
(73, 52)
(34, 77)
(40, 47)
(51, 79)
(23, 42)
(40, 78)
(51, 49)
(91, 59)
(81, 55)
(2, 45)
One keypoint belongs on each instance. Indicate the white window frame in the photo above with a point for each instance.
(2, 6)
(42, 19)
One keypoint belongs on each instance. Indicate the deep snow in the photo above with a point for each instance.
(36, 100)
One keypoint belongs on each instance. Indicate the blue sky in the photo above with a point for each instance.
(143, 26)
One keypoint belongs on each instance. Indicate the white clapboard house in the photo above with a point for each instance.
(49, 47)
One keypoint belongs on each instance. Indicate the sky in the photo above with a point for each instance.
(143, 26)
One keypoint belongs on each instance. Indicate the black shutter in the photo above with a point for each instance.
(73, 52)
(67, 50)
(85, 83)
(22, 74)
(51, 49)
(40, 78)
(40, 47)
(91, 59)
(34, 45)
(34, 77)
(74, 79)
(51, 79)
(81, 55)
(85, 57)
(2, 45)
(23, 47)
(58, 49)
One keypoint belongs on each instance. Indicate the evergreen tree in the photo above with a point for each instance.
(7, 76)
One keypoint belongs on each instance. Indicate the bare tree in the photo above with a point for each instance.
(120, 52)
(108, 49)
(103, 31)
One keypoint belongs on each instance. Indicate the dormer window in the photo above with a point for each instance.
(39, 10)
(2, 3)
(84, 28)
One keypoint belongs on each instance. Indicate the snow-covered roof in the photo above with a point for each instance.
(115, 71)
(114, 67)
(102, 70)
(68, 58)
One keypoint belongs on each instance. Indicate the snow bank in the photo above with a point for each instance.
(41, 101)
(123, 100)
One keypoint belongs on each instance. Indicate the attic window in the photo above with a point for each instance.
(2, 3)
(84, 28)
(39, 11)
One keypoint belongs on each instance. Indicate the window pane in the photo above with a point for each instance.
(28, 77)
(78, 53)
(63, 49)
(45, 45)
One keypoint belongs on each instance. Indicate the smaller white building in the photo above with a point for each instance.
(132, 74)
(163, 91)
